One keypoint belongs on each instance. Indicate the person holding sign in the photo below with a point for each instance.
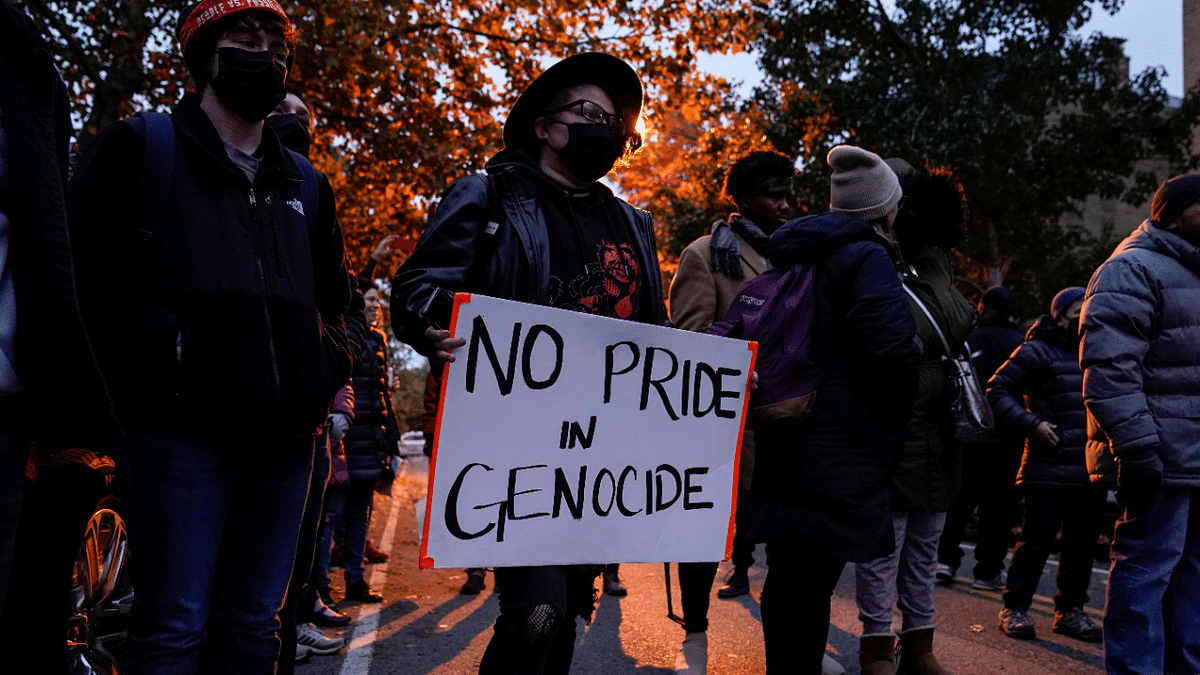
(538, 228)
(822, 484)
(712, 270)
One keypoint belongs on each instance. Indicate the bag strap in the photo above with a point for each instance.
(158, 167)
(158, 171)
(928, 315)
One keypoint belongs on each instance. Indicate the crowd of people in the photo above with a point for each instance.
(188, 279)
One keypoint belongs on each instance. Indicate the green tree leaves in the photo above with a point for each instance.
(1032, 117)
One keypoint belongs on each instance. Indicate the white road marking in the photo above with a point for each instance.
(362, 641)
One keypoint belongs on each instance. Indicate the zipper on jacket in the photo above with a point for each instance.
(262, 277)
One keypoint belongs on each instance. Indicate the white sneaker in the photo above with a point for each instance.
(830, 666)
(312, 637)
(692, 658)
(303, 653)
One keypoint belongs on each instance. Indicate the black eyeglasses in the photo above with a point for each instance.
(592, 112)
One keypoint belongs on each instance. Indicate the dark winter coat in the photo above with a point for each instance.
(930, 470)
(374, 434)
(1141, 355)
(517, 265)
(67, 405)
(1042, 382)
(232, 275)
(992, 341)
(824, 481)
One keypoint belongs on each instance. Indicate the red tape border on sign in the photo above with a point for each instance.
(425, 561)
(737, 455)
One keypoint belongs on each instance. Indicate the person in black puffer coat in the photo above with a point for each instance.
(1039, 392)
(989, 465)
(370, 442)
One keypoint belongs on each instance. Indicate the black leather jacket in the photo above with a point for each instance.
(458, 254)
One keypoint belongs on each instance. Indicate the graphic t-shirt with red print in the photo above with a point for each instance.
(594, 266)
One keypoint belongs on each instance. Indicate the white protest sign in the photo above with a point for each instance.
(567, 438)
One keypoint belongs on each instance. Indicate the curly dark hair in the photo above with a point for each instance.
(749, 170)
(933, 212)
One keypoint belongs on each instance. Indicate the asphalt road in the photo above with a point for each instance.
(425, 627)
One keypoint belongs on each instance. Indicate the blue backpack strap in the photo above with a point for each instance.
(310, 191)
(158, 167)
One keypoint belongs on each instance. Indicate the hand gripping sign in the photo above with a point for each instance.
(567, 438)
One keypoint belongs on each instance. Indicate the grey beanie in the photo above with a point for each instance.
(861, 186)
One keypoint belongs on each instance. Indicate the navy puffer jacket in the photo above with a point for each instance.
(1042, 382)
(824, 482)
(1141, 355)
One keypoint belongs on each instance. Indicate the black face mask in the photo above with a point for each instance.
(249, 83)
(292, 133)
(1073, 328)
(591, 150)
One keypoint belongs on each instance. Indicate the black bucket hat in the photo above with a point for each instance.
(616, 77)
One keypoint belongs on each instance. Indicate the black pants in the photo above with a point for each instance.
(743, 548)
(57, 506)
(1078, 511)
(695, 591)
(989, 472)
(535, 632)
(297, 608)
(795, 607)
(696, 579)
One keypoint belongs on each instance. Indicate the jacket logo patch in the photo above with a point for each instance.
(297, 205)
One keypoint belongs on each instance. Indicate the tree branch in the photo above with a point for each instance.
(65, 33)
(904, 44)
(417, 28)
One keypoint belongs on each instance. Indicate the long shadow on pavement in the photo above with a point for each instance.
(435, 638)
(598, 649)
(845, 645)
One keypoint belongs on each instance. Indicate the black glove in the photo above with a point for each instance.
(388, 469)
(1139, 470)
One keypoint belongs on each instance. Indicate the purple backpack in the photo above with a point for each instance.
(776, 309)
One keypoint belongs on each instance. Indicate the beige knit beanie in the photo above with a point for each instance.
(861, 186)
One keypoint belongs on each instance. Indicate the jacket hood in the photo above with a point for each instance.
(1047, 330)
(1156, 239)
(812, 237)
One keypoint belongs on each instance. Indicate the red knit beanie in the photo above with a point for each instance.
(198, 15)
